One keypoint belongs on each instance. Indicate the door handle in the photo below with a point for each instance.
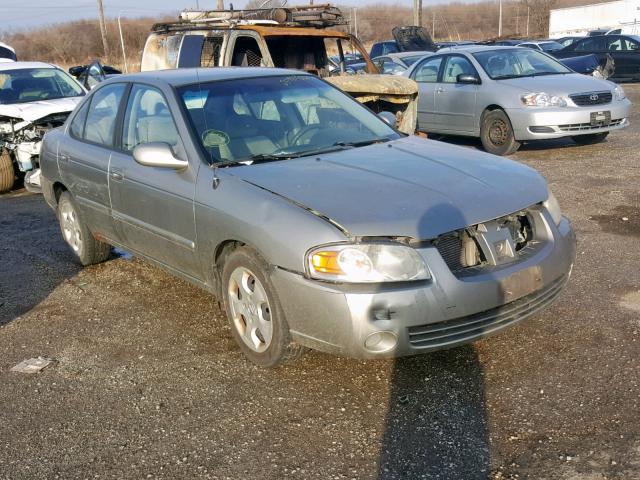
(63, 158)
(439, 90)
(116, 175)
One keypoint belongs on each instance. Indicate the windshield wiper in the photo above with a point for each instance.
(337, 146)
(258, 158)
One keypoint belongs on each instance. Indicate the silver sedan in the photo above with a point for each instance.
(313, 221)
(510, 95)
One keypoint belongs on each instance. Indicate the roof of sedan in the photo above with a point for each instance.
(21, 65)
(186, 76)
(476, 48)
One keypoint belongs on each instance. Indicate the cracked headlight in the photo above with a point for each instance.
(366, 263)
(618, 93)
(553, 208)
(543, 100)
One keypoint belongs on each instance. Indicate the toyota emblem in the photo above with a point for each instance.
(593, 97)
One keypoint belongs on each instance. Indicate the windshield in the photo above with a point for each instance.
(33, 84)
(273, 118)
(518, 62)
(551, 46)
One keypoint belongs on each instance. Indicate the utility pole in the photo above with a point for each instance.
(103, 29)
(527, 21)
(500, 20)
(433, 23)
(220, 5)
(355, 20)
(417, 12)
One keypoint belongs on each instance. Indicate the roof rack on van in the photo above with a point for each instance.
(317, 16)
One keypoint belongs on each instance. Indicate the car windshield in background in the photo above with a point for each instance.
(33, 84)
(408, 61)
(551, 46)
(518, 62)
(275, 118)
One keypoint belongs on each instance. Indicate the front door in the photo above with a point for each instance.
(455, 103)
(152, 206)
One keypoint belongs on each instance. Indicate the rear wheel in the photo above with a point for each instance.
(77, 235)
(496, 133)
(7, 173)
(590, 138)
(252, 306)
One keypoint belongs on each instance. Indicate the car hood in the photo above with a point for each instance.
(406, 188)
(558, 84)
(35, 110)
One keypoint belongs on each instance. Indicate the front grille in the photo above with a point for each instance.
(465, 329)
(579, 127)
(463, 255)
(591, 98)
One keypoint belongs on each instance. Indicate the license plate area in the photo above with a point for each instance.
(521, 283)
(600, 118)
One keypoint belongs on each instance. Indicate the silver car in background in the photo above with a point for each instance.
(313, 221)
(510, 95)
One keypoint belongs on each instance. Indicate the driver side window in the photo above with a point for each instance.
(457, 66)
(147, 119)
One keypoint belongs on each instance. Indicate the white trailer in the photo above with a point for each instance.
(577, 21)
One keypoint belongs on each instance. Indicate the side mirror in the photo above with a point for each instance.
(467, 78)
(388, 118)
(158, 154)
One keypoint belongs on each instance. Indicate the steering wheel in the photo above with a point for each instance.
(305, 131)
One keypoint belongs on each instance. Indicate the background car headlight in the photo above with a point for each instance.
(553, 207)
(618, 93)
(366, 263)
(543, 100)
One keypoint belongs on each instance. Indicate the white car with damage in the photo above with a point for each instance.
(34, 98)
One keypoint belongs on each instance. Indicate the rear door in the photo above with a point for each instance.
(426, 74)
(626, 56)
(152, 206)
(84, 157)
(455, 103)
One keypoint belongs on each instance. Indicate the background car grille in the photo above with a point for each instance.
(443, 334)
(576, 127)
(585, 99)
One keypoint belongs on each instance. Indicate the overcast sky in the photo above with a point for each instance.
(24, 14)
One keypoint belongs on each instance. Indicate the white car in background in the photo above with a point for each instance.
(7, 53)
(34, 98)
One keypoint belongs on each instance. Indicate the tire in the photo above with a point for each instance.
(257, 321)
(590, 138)
(75, 232)
(496, 133)
(7, 173)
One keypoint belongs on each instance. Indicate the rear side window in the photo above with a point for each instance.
(77, 124)
(211, 48)
(427, 72)
(101, 119)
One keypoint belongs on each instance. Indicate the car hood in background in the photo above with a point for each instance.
(558, 84)
(409, 187)
(35, 110)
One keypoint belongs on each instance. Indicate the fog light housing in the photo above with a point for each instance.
(379, 342)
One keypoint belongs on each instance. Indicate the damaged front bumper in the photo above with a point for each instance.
(398, 95)
(412, 318)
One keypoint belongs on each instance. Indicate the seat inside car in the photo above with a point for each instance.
(154, 122)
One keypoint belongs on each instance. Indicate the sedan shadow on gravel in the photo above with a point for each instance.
(436, 426)
(34, 257)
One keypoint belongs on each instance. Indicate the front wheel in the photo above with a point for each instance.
(7, 174)
(77, 235)
(590, 138)
(257, 321)
(496, 133)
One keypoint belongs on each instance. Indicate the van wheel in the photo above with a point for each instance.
(77, 235)
(590, 138)
(7, 173)
(257, 320)
(496, 133)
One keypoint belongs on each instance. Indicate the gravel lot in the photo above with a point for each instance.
(149, 384)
